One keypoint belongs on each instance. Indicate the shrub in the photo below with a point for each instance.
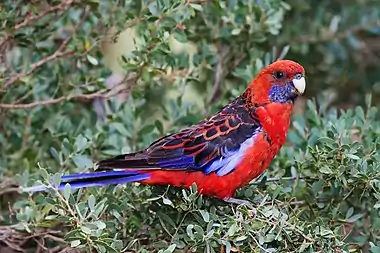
(68, 97)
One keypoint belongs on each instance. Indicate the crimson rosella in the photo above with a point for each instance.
(221, 153)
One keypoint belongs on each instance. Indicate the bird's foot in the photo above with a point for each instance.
(239, 202)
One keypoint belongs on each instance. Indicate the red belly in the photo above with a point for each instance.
(252, 165)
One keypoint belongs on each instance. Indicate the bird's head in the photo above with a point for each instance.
(280, 82)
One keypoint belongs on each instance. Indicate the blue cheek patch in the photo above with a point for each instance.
(281, 93)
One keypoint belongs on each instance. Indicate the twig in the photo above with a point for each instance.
(57, 54)
(55, 238)
(259, 245)
(40, 244)
(28, 19)
(15, 239)
(67, 40)
(25, 136)
(67, 249)
(37, 234)
(99, 94)
(105, 93)
(179, 226)
(276, 179)
(35, 66)
(219, 73)
(68, 207)
(9, 190)
(296, 202)
(8, 186)
(90, 96)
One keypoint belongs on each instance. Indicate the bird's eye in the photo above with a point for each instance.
(279, 74)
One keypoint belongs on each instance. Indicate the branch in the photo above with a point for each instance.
(18, 241)
(28, 19)
(219, 73)
(59, 53)
(8, 186)
(90, 96)
(35, 66)
(105, 93)
(276, 179)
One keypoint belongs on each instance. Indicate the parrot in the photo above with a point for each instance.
(221, 153)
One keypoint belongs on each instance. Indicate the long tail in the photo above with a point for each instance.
(98, 178)
(121, 169)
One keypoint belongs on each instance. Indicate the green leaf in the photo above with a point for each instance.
(82, 161)
(205, 215)
(146, 129)
(368, 100)
(180, 35)
(171, 248)
(326, 140)
(167, 202)
(153, 9)
(241, 238)
(75, 243)
(159, 126)
(106, 246)
(236, 31)
(189, 231)
(56, 180)
(199, 232)
(304, 246)
(232, 230)
(228, 247)
(55, 154)
(44, 174)
(80, 143)
(353, 157)
(85, 230)
(197, 7)
(100, 224)
(92, 60)
(325, 169)
(121, 128)
(374, 248)
(91, 202)
(317, 186)
(349, 212)
(67, 191)
(50, 201)
(355, 217)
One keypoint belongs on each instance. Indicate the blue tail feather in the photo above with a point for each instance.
(122, 180)
(99, 178)
(97, 174)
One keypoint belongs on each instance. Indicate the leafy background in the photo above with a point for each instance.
(85, 80)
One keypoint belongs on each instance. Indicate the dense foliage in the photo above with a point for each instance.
(85, 80)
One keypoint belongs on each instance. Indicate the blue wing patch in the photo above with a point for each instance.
(227, 163)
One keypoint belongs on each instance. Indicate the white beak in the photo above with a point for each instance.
(300, 84)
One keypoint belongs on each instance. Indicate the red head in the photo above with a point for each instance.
(280, 82)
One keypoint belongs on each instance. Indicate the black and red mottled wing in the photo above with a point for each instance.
(215, 144)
